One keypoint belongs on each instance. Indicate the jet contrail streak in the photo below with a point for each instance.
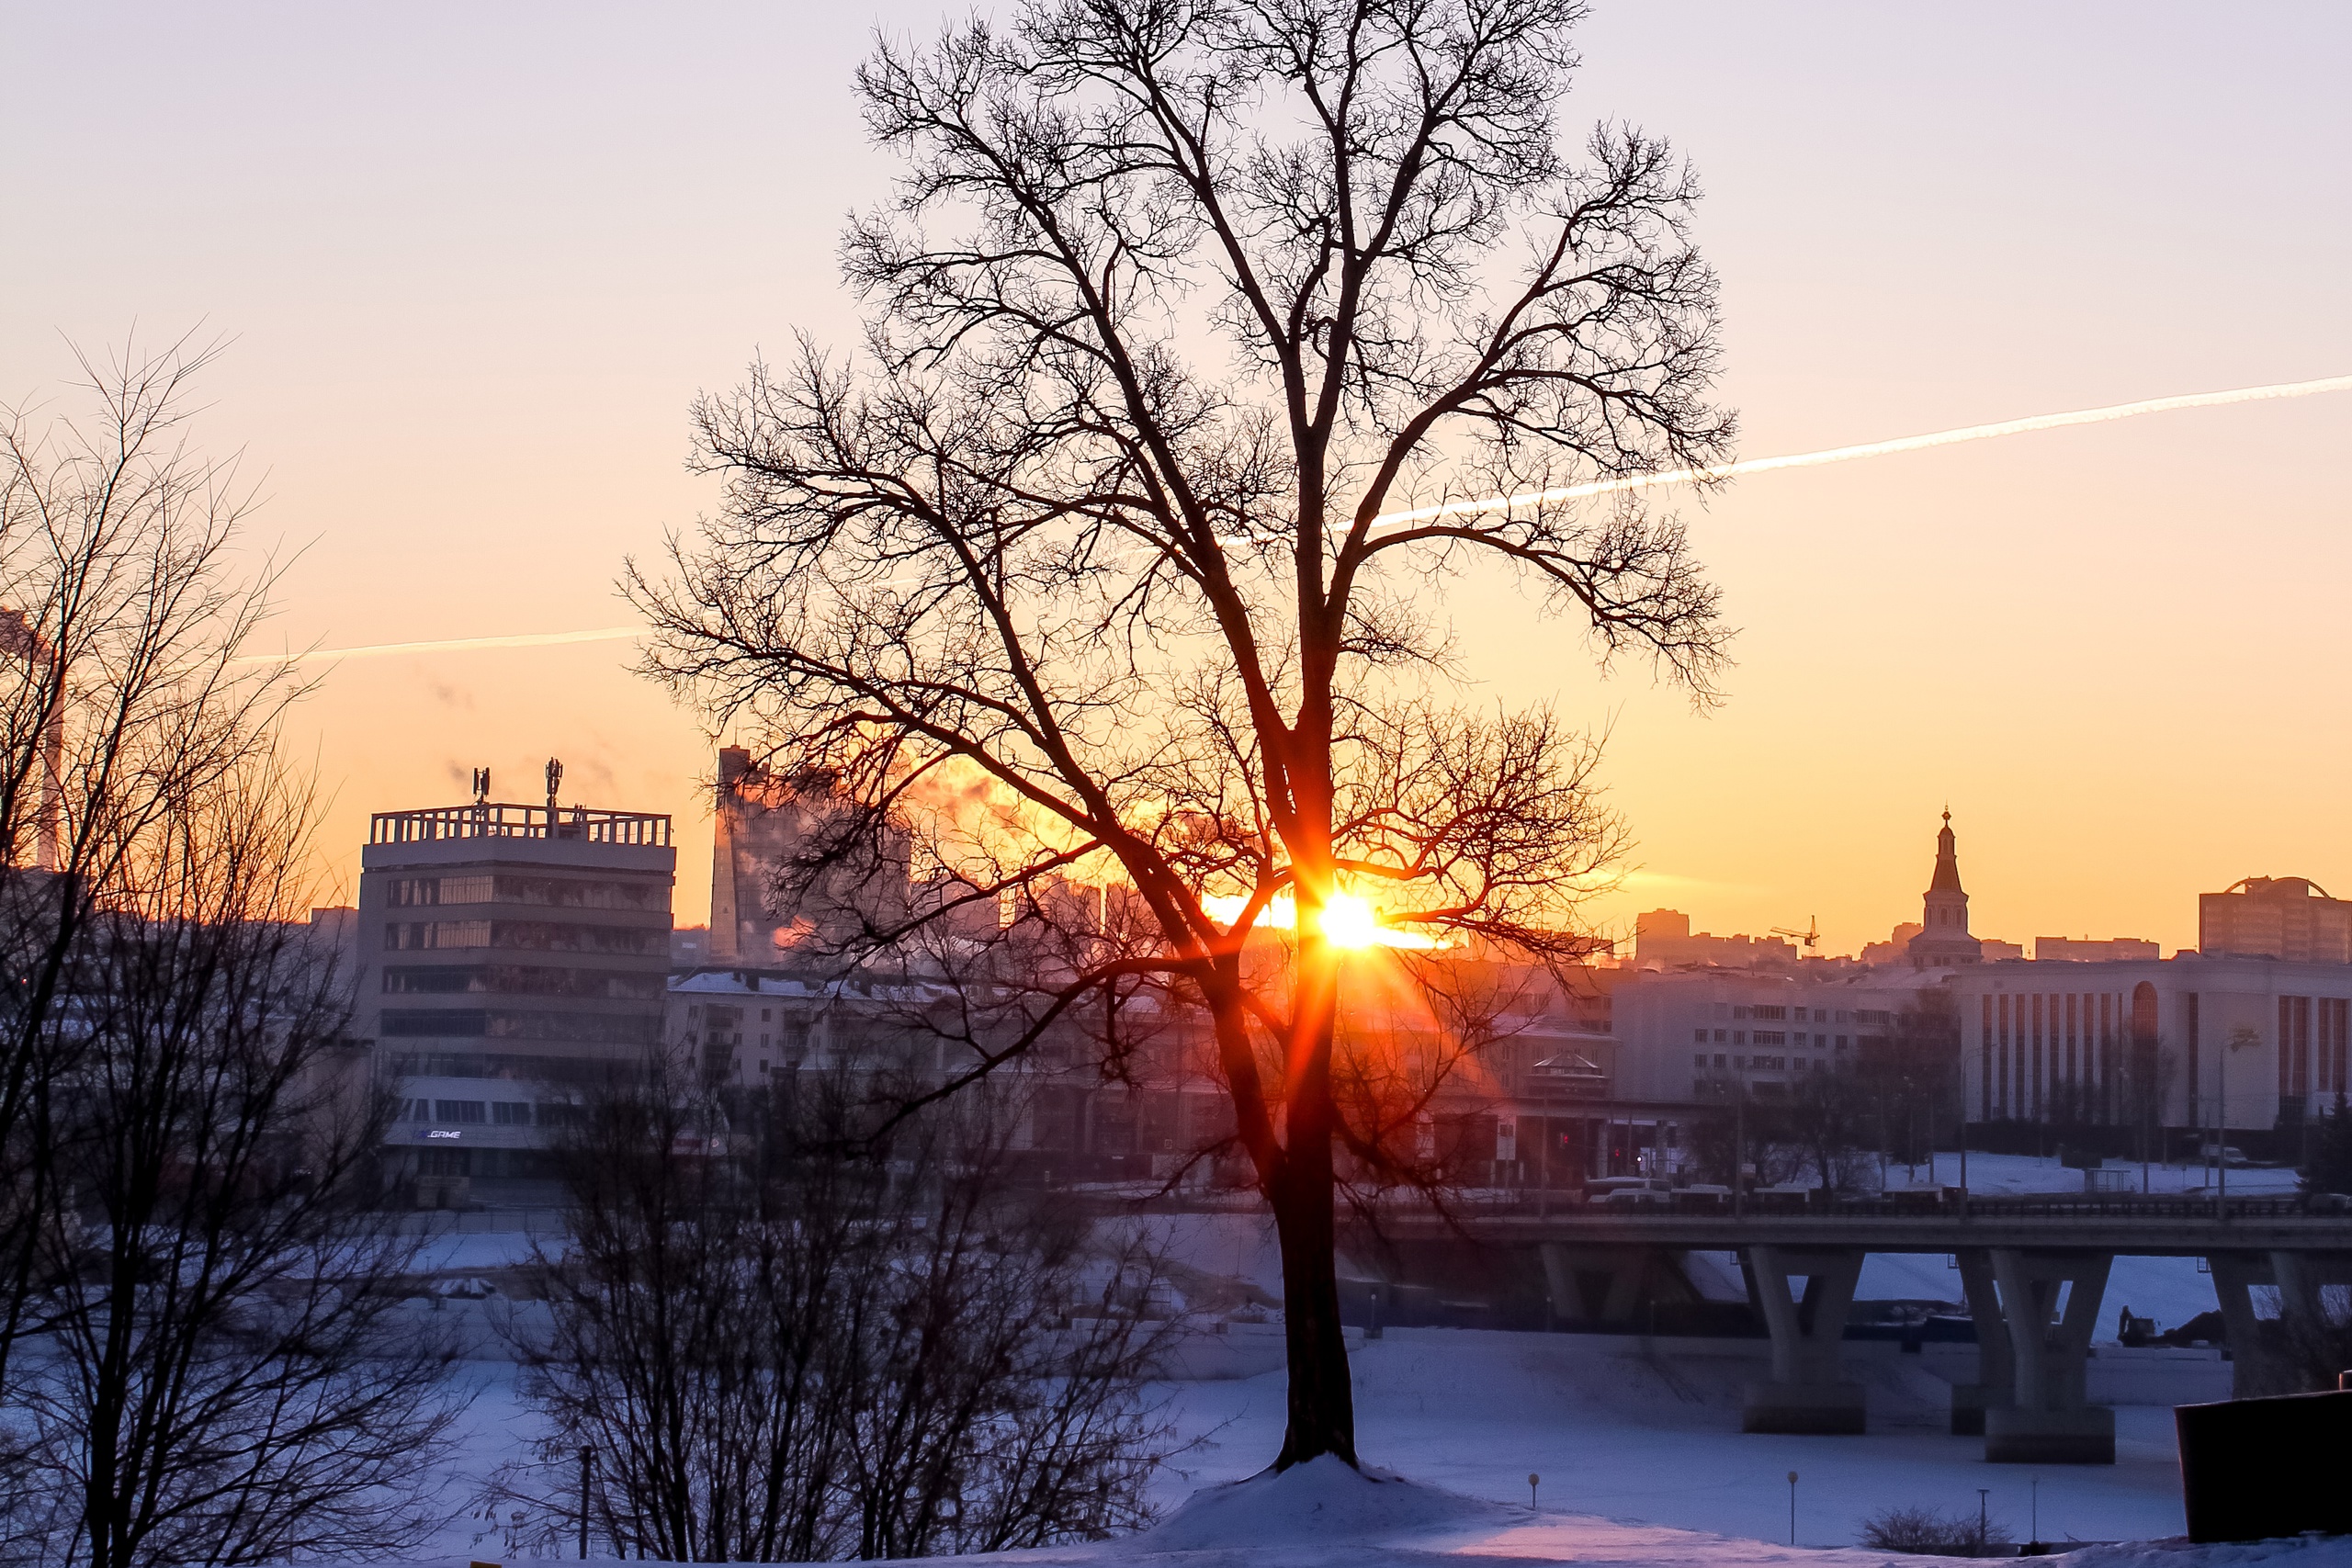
(1525, 497)
(1877, 448)
(452, 644)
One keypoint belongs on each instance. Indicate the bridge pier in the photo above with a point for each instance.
(1996, 1381)
(1808, 1393)
(2255, 1368)
(2049, 1420)
(1598, 1284)
(2262, 1354)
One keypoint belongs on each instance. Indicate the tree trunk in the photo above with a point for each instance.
(1322, 1401)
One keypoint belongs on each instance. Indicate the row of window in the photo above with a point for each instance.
(551, 936)
(2297, 1059)
(520, 980)
(498, 1023)
(1773, 1037)
(1803, 1015)
(1755, 1064)
(495, 1112)
(557, 892)
(585, 1071)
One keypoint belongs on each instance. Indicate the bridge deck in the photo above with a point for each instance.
(2157, 1228)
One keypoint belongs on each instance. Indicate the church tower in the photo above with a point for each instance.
(1944, 940)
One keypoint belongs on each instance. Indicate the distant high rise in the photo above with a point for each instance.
(2290, 918)
(765, 823)
(1943, 940)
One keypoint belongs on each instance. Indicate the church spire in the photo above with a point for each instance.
(1946, 877)
(1943, 938)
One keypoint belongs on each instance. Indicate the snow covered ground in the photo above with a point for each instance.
(1641, 1437)
(1638, 1444)
(1325, 1516)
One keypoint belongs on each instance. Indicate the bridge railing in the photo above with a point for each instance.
(1508, 1203)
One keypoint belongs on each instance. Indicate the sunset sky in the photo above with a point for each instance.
(474, 262)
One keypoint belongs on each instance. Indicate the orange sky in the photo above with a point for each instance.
(475, 265)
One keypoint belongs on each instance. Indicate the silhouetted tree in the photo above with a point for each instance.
(1200, 337)
(783, 1347)
(2328, 1167)
(125, 696)
(226, 1374)
(1911, 1076)
(1829, 1116)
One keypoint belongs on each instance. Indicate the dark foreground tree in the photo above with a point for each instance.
(125, 694)
(224, 1374)
(784, 1348)
(1203, 336)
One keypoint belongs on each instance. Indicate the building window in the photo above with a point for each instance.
(1700, 1060)
(2334, 1013)
(507, 1114)
(2195, 1083)
(2294, 1053)
(1698, 1037)
(460, 1111)
(1739, 1037)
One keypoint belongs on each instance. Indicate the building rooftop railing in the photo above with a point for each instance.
(501, 820)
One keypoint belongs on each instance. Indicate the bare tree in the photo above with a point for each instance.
(782, 1347)
(224, 1375)
(1197, 334)
(1909, 1075)
(1829, 1115)
(124, 695)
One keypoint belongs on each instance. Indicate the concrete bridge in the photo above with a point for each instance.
(2033, 1270)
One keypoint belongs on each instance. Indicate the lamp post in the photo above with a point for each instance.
(1792, 1507)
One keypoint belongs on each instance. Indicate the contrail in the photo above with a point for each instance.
(1877, 448)
(1526, 498)
(451, 645)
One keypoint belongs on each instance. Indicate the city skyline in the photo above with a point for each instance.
(463, 342)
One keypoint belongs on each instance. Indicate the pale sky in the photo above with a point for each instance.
(476, 260)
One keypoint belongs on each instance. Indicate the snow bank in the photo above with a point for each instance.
(1321, 1503)
(2309, 1551)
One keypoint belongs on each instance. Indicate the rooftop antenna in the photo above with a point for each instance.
(481, 786)
(555, 781)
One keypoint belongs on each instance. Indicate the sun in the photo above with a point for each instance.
(1350, 921)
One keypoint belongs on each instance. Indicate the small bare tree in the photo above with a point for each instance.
(1204, 340)
(225, 1376)
(785, 1347)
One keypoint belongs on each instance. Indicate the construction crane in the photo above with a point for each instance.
(1810, 937)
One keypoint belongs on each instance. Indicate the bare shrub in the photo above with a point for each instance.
(1926, 1532)
(784, 1347)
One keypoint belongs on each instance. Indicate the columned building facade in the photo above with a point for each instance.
(2243, 1046)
